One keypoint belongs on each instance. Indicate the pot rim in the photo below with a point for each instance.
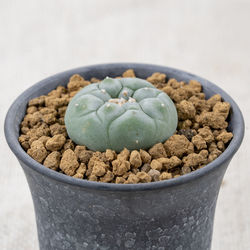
(34, 165)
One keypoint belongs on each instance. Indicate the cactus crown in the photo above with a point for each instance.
(120, 113)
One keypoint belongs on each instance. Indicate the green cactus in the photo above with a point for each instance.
(120, 113)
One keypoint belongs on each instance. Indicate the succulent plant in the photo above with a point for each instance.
(120, 113)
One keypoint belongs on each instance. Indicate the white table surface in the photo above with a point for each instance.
(208, 38)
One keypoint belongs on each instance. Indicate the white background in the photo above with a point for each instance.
(206, 37)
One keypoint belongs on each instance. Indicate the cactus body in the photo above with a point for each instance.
(120, 113)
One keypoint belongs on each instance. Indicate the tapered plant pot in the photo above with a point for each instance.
(79, 214)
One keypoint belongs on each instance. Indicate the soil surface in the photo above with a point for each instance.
(201, 136)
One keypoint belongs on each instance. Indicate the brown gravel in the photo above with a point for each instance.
(200, 138)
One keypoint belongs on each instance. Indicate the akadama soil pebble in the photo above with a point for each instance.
(200, 138)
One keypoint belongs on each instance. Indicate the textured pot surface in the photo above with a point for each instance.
(79, 214)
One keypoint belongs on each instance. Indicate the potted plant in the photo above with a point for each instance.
(80, 214)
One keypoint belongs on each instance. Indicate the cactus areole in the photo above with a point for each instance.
(120, 113)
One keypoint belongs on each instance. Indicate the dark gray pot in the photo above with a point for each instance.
(79, 214)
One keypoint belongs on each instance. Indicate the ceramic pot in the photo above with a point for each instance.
(79, 214)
